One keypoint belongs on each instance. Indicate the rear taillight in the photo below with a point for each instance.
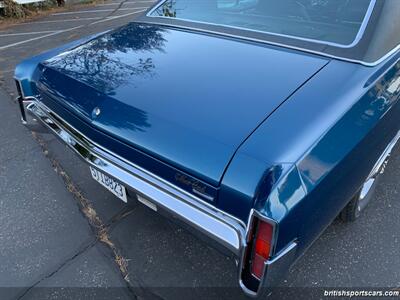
(262, 245)
(261, 236)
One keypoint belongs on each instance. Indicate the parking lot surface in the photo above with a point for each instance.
(62, 235)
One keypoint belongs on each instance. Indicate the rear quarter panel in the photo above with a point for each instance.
(325, 140)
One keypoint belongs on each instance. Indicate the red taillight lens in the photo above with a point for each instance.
(257, 268)
(262, 247)
(265, 231)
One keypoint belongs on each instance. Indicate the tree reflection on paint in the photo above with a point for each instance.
(101, 67)
(99, 64)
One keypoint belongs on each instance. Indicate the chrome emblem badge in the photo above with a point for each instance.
(96, 112)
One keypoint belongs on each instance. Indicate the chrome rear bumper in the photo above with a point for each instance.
(227, 232)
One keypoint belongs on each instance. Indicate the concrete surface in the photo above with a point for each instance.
(51, 250)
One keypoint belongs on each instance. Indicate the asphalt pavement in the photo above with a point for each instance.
(63, 236)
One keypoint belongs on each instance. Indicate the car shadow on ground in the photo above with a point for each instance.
(165, 260)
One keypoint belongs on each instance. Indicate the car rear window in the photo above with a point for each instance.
(338, 22)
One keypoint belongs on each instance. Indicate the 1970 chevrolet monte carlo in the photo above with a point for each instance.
(255, 123)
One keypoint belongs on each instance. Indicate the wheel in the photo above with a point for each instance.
(359, 202)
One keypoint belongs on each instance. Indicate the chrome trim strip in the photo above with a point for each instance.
(364, 25)
(358, 37)
(17, 81)
(234, 36)
(120, 160)
(380, 165)
(225, 229)
(274, 270)
(256, 214)
(20, 100)
(356, 61)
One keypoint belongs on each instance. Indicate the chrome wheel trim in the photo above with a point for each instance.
(366, 194)
(368, 187)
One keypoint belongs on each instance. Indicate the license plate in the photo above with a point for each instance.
(110, 184)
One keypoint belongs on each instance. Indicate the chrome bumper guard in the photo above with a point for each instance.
(228, 232)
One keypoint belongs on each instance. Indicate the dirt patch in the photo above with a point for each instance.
(85, 205)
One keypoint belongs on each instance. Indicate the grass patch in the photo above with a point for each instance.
(13, 10)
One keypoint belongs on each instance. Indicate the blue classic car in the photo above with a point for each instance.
(255, 123)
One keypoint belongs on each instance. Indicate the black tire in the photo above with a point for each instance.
(349, 213)
(359, 202)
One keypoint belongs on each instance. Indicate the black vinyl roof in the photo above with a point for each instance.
(379, 38)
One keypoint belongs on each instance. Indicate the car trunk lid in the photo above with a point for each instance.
(187, 99)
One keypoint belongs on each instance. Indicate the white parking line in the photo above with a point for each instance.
(37, 38)
(95, 11)
(125, 3)
(66, 30)
(26, 33)
(117, 17)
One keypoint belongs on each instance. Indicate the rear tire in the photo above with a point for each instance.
(359, 202)
(349, 213)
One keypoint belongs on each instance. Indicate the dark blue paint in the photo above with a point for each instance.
(329, 135)
(25, 71)
(283, 132)
(155, 92)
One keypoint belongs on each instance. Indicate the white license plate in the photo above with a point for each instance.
(110, 184)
